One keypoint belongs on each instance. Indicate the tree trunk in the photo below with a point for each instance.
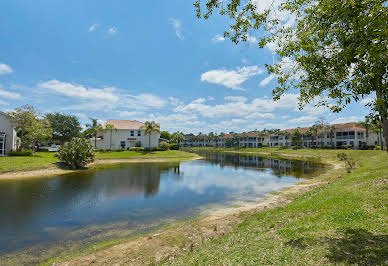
(110, 142)
(149, 140)
(95, 141)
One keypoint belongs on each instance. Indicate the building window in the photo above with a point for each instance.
(139, 133)
(132, 133)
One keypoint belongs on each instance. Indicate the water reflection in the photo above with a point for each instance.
(55, 210)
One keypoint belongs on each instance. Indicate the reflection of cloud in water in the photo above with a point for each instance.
(237, 182)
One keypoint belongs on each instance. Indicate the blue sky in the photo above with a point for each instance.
(145, 60)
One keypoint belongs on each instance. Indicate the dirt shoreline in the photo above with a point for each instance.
(54, 171)
(165, 244)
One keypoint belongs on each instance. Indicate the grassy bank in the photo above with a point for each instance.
(344, 222)
(46, 159)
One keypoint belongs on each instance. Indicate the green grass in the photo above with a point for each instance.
(22, 163)
(344, 222)
(45, 159)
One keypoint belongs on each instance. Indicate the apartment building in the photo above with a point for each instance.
(346, 134)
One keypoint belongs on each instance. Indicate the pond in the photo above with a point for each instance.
(118, 201)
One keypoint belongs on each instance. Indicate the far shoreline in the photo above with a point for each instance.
(56, 171)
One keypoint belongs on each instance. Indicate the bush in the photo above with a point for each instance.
(164, 146)
(174, 146)
(138, 144)
(350, 164)
(342, 156)
(136, 149)
(21, 153)
(149, 149)
(77, 153)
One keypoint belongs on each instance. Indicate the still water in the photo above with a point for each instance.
(125, 199)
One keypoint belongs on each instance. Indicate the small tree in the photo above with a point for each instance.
(165, 135)
(148, 128)
(296, 139)
(23, 118)
(367, 125)
(177, 138)
(164, 146)
(76, 153)
(110, 127)
(92, 130)
(38, 131)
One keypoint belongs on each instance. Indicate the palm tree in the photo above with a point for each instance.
(331, 129)
(377, 126)
(148, 128)
(313, 131)
(110, 127)
(367, 125)
(177, 138)
(286, 136)
(236, 138)
(210, 137)
(93, 128)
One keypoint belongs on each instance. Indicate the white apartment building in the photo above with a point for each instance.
(346, 134)
(8, 138)
(127, 134)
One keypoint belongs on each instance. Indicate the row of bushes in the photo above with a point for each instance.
(21, 153)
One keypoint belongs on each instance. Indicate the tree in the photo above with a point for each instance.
(236, 139)
(76, 153)
(65, 127)
(377, 128)
(296, 139)
(39, 131)
(331, 129)
(313, 132)
(30, 127)
(286, 136)
(334, 52)
(148, 128)
(367, 125)
(177, 138)
(110, 127)
(92, 130)
(165, 135)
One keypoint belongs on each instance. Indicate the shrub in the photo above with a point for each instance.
(149, 149)
(76, 153)
(350, 164)
(342, 156)
(138, 144)
(21, 153)
(164, 146)
(174, 146)
(136, 149)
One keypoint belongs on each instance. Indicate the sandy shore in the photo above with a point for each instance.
(54, 171)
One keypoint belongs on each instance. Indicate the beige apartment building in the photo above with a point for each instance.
(127, 134)
(346, 134)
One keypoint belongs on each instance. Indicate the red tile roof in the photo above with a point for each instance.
(124, 124)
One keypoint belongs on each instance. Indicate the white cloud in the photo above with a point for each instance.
(113, 30)
(130, 113)
(5, 69)
(257, 115)
(3, 103)
(367, 100)
(236, 106)
(347, 119)
(177, 25)
(93, 27)
(231, 78)
(97, 99)
(174, 101)
(218, 38)
(304, 119)
(267, 80)
(9, 95)
(106, 95)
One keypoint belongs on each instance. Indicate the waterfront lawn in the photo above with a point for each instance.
(42, 160)
(344, 222)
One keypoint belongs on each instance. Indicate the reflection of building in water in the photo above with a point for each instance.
(278, 166)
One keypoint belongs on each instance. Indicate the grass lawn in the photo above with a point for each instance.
(46, 159)
(344, 222)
